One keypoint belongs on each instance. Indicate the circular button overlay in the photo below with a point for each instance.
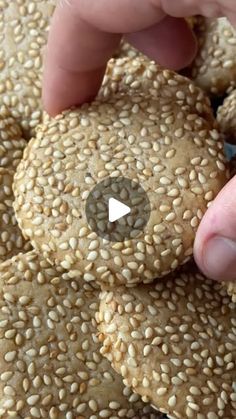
(117, 209)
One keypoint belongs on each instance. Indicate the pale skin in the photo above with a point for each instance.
(83, 36)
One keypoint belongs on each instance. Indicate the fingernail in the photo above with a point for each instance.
(219, 258)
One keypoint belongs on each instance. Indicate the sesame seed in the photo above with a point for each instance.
(161, 391)
(172, 401)
(66, 154)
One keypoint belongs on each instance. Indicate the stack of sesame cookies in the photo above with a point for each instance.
(172, 341)
(50, 365)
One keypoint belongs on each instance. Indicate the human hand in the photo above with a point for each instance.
(84, 35)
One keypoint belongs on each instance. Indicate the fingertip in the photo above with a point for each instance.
(171, 43)
(63, 89)
(218, 259)
(183, 43)
(187, 44)
(215, 243)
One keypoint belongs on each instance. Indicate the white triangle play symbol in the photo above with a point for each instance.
(117, 210)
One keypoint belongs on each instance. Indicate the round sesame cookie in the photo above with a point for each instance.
(11, 239)
(226, 117)
(166, 144)
(174, 343)
(50, 365)
(214, 68)
(11, 142)
(24, 28)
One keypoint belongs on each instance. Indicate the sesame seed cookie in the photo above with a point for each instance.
(231, 286)
(143, 75)
(166, 144)
(174, 343)
(11, 142)
(226, 117)
(50, 366)
(214, 68)
(11, 239)
(23, 33)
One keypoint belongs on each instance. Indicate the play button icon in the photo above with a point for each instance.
(117, 209)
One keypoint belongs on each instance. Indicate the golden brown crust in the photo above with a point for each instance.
(214, 68)
(23, 34)
(174, 343)
(11, 239)
(50, 366)
(166, 142)
(12, 143)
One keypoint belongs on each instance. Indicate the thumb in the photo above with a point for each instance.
(215, 244)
